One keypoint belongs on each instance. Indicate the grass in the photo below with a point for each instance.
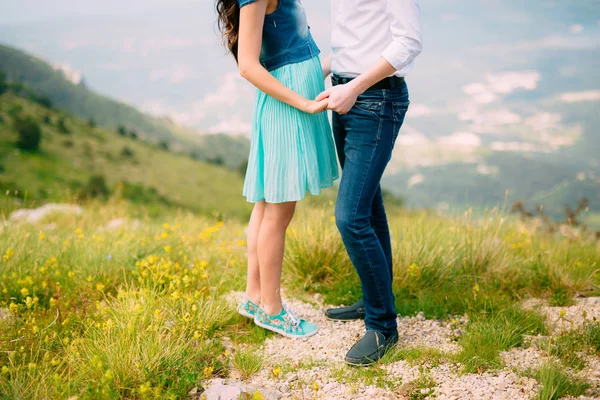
(142, 311)
(247, 363)
(416, 356)
(374, 376)
(419, 389)
(555, 383)
(493, 331)
(570, 346)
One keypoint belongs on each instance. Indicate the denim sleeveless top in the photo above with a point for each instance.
(286, 35)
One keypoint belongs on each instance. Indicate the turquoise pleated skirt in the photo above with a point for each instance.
(291, 152)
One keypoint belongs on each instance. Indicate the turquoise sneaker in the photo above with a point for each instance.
(247, 308)
(286, 324)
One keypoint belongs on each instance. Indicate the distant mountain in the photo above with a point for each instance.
(67, 90)
(77, 159)
(498, 180)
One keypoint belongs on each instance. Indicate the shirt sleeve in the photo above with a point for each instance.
(246, 2)
(405, 26)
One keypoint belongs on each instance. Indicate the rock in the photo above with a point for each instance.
(5, 316)
(220, 389)
(35, 215)
(121, 223)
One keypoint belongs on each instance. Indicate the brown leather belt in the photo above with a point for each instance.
(387, 83)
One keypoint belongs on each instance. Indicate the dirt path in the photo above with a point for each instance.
(313, 368)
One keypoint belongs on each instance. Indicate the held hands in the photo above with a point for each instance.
(341, 98)
(315, 106)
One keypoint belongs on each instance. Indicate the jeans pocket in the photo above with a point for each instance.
(399, 108)
(372, 106)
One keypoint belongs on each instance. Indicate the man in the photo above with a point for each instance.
(374, 44)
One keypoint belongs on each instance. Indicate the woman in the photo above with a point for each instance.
(292, 148)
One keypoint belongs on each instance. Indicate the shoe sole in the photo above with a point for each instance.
(342, 320)
(283, 333)
(244, 313)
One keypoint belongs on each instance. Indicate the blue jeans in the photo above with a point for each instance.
(364, 140)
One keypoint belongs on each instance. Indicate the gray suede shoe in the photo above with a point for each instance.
(370, 348)
(350, 313)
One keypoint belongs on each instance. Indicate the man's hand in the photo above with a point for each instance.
(341, 97)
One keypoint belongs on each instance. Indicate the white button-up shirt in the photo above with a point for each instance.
(364, 30)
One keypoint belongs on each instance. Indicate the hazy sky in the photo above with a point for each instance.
(12, 11)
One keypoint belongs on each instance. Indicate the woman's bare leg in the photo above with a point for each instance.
(271, 246)
(253, 282)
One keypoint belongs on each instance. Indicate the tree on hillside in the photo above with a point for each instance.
(122, 130)
(243, 167)
(92, 123)
(3, 83)
(97, 187)
(43, 101)
(30, 134)
(62, 126)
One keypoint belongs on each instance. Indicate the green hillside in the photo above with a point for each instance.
(76, 159)
(78, 100)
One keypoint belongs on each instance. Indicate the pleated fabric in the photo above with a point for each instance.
(291, 152)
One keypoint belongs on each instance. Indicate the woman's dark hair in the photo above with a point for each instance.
(228, 12)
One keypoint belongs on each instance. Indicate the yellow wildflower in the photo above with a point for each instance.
(168, 249)
(8, 254)
(257, 396)
(208, 371)
(100, 287)
(276, 372)
(24, 292)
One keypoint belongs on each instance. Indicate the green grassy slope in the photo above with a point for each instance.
(78, 100)
(66, 162)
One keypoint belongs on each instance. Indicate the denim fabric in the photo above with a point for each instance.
(364, 140)
(286, 35)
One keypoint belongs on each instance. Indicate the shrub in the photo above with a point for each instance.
(133, 135)
(218, 160)
(1, 120)
(164, 145)
(121, 130)
(46, 119)
(127, 152)
(62, 126)
(30, 134)
(68, 144)
(92, 122)
(97, 187)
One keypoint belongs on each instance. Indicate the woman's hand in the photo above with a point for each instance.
(315, 107)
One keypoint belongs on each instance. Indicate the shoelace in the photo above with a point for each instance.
(293, 319)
